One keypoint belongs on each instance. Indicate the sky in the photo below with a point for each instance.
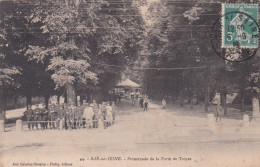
(144, 10)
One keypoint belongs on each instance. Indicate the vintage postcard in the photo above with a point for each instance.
(144, 83)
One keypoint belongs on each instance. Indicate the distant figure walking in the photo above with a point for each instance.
(133, 98)
(163, 103)
(141, 102)
(145, 104)
(219, 112)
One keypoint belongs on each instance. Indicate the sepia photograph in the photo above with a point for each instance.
(142, 83)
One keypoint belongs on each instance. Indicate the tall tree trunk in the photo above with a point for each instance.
(15, 100)
(58, 99)
(76, 99)
(206, 90)
(255, 105)
(88, 97)
(71, 94)
(206, 100)
(242, 103)
(2, 109)
(46, 101)
(181, 97)
(81, 98)
(223, 100)
(28, 99)
(191, 97)
(65, 97)
(197, 95)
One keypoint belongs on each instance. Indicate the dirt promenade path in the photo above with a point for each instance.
(138, 134)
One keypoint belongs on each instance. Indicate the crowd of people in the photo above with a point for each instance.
(87, 115)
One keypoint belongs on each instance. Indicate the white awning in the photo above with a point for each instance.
(128, 83)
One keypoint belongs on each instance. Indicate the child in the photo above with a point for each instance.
(164, 103)
(219, 112)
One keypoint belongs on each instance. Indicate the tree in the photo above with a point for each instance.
(80, 36)
(20, 34)
(179, 34)
(8, 74)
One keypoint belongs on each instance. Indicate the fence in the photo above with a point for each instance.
(20, 124)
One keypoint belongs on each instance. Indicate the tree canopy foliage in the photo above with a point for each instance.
(84, 47)
(60, 46)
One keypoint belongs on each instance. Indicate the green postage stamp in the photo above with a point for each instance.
(240, 25)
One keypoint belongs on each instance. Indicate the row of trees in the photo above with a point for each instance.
(59, 47)
(64, 48)
(178, 37)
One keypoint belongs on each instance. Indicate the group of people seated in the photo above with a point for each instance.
(87, 115)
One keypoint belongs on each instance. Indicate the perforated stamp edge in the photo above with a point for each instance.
(223, 28)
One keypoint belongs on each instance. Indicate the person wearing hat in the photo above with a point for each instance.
(84, 106)
(36, 116)
(141, 102)
(96, 115)
(29, 115)
(44, 117)
(145, 104)
(60, 116)
(103, 112)
(53, 116)
(65, 112)
(103, 109)
(79, 115)
(99, 116)
(70, 117)
(88, 116)
(73, 116)
(108, 115)
(114, 111)
(132, 95)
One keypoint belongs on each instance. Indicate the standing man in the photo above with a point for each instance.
(145, 104)
(114, 112)
(88, 115)
(64, 120)
(36, 116)
(44, 116)
(67, 113)
(136, 98)
(73, 116)
(114, 98)
(83, 106)
(108, 115)
(78, 116)
(101, 116)
(96, 111)
(141, 102)
(29, 114)
(53, 116)
(132, 95)
(60, 116)
(70, 117)
(119, 97)
(103, 112)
